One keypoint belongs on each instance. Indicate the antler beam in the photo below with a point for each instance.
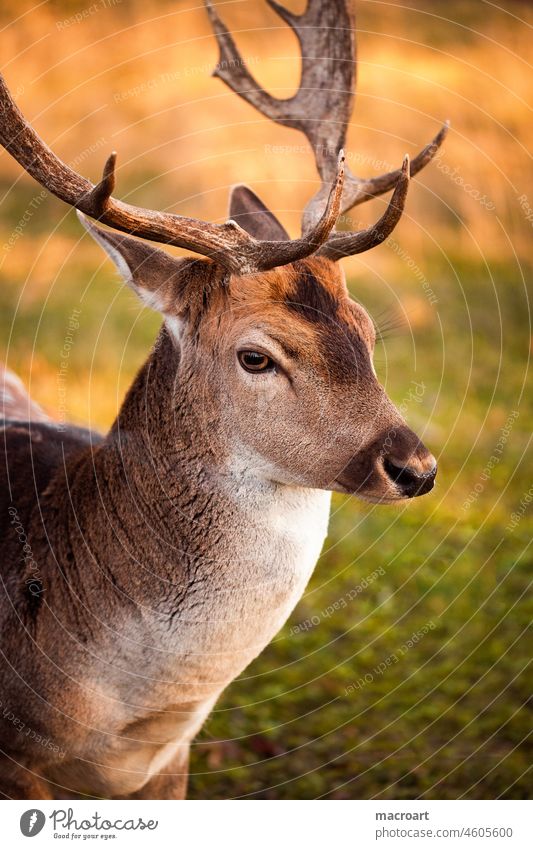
(227, 243)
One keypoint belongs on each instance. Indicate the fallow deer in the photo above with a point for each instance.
(142, 571)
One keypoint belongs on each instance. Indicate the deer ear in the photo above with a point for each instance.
(253, 216)
(173, 286)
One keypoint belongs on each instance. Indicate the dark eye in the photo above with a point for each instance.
(254, 361)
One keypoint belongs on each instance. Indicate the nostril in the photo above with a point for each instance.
(408, 479)
(400, 474)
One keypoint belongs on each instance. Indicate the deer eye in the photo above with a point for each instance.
(254, 361)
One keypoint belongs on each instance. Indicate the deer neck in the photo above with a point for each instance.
(210, 554)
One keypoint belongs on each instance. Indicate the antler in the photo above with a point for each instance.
(320, 109)
(227, 243)
(348, 244)
(322, 106)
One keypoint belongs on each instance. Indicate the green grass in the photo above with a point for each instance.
(432, 720)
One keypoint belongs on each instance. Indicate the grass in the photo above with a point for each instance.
(340, 705)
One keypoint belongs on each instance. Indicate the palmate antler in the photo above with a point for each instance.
(326, 93)
(321, 110)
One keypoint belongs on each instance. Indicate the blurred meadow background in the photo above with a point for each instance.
(403, 672)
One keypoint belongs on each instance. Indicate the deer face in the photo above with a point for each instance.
(282, 363)
(294, 358)
(279, 365)
(297, 389)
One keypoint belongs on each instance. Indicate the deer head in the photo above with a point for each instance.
(267, 338)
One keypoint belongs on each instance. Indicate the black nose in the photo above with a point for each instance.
(410, 481)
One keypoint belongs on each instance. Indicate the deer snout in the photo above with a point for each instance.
(393, 467)
(410, 479)
(410, 467)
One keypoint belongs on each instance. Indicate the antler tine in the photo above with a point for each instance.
(227, 244)
(347, 244)
(101, 193)
(281, 253)
(322, 106)
(358, 190)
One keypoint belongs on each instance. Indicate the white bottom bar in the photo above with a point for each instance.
(269, 825)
